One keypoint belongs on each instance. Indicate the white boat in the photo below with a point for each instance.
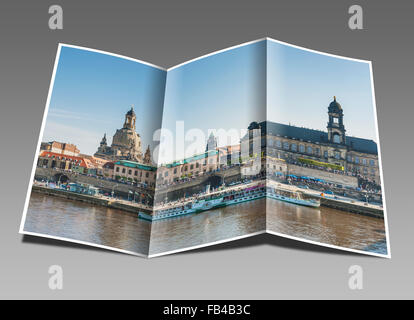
(293, 197)
(208, 202)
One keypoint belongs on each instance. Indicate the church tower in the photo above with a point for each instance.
(147, 156)
(103, 141)
(102, 146)
(130, 119)
(336, 129)
(211, 142)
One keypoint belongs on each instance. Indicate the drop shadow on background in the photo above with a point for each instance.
(254, 241)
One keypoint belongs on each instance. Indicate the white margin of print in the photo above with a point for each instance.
(26, 205)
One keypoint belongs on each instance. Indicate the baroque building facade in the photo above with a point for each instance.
(330, 150)
(126, 142)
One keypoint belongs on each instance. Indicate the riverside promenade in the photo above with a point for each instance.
(95, 200)
(330, 201)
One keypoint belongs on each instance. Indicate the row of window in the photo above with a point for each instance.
(310, 150)
(364, 170)
(64, 159)
(175, 171)
(294, 147)
(358, 160)
(130, 172)
(302, 149)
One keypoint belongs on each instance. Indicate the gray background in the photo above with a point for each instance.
(167, 33)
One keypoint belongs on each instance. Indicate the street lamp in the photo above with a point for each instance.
(113, 189)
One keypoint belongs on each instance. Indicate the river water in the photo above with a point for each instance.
(122, 230)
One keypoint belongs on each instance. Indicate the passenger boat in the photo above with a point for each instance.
(292, 197)
(207, 202)
(226, 198)
(252, 193)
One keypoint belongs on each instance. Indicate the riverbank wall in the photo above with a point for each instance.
(89, 199)
(365, 210)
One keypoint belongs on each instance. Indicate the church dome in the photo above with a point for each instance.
(334, 106)
(254, 125)
(131, 112)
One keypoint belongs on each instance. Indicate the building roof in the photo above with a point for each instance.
(61, 145)
(316, 136)
(133, 164)
(193, 158)
(82, 162)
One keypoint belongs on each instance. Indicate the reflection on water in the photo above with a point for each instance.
(123, 230)
(80, 221)
(326, 225)
(209, 226)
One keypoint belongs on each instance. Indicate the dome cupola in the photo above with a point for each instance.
(334, 106)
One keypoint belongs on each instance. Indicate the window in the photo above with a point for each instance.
(301, 148)
(197, 165)
(335, 120)
(317, 151)
(286, 145)
(175, 170)
(337, 155)
(117, 169)
(294, 147)
(136, 172)
(356, 159)
(123, 170)
(146, 175)
(364, 162)
(336, 138)
(371, 163)
(166, 174)
(349, 158)
(270, 142)
(310, 150)
(325, 154)
(129, 171)
(191, 167)
(278, 143)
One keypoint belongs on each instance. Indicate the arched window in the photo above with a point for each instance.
(310, 150)
(301, 148)
(336, 138)
(294, 147)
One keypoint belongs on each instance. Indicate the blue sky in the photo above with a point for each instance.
(93, 91)
(301, 84)
(221, 91)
